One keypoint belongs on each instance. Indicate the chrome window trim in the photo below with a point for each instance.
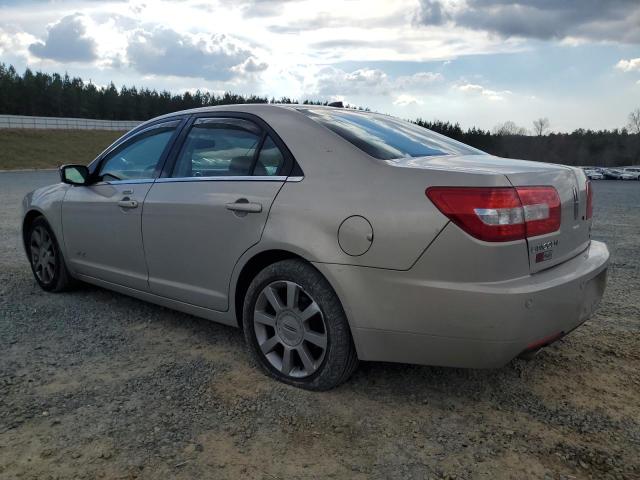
(229, 178)
(124, 182)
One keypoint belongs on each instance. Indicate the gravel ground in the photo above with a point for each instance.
(97, 385)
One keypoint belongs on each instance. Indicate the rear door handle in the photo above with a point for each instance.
(127, 202)
(243, 205)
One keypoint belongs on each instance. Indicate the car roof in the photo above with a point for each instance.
(251, 108)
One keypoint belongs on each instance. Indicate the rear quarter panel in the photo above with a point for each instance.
(341, 181)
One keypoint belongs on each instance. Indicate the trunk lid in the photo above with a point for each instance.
(571, 183)
(575, 228)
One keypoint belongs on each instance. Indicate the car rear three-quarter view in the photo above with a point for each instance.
(329, 236)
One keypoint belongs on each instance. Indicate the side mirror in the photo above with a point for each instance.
(74, 174)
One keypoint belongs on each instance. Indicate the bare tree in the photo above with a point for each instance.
(540, 126)
(509, 128)
(634, 121)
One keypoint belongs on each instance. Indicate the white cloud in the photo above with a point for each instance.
(419, 80)
(67, 41)
(331, 81)
(251, 66)
(361, 31)
(633, 64)
(15, 42)
(163, 51)
(405, 100)
(479, 90)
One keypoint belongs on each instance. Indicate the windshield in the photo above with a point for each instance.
(387, 138)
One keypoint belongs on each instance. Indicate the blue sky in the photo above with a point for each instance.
(478, 62)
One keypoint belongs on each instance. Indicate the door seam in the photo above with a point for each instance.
(144, 252)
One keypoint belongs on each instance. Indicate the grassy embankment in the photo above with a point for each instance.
(25, 148)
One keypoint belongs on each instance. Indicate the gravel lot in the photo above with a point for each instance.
(97, 385)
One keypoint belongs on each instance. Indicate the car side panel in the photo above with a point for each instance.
(404, 222)
(192, 241)
(341, 181)
(103, 240)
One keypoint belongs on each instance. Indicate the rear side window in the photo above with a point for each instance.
(218, 147)
(270, 160)
(387, 138)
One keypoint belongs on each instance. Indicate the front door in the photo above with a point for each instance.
(102, 221)
(198, 221)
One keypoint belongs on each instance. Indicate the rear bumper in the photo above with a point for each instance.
(398, 316)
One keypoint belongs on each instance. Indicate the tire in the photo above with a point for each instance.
(305, 341)
(45, 258)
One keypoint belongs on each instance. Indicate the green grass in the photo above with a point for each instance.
(26, 148)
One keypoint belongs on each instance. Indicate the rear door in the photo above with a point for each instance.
(210, 207)
(575, 227)
(102, 221)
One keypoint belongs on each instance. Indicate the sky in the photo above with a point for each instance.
(476, 62)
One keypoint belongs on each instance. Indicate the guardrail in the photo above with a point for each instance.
(63, 123)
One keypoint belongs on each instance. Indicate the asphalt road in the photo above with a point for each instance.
(94, 384)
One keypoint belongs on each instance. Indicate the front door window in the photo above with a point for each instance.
(139, 158)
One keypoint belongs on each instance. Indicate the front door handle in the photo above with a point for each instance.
(127, 202)
(245, 206)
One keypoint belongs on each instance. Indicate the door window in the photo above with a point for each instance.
(138, 158)
(218, 147)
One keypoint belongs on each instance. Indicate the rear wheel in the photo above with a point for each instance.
(296, 329)
(46, 259)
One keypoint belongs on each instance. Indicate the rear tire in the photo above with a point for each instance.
(45, 257)
(296, 329)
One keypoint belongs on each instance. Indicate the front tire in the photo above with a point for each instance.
(45, 257)
(296, 329)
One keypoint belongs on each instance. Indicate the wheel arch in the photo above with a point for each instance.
(262, 259)
(251, 268)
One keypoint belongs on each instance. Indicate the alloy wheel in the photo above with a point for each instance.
(290, 329)
(43, 255)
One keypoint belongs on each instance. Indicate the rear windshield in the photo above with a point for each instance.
(387, 138)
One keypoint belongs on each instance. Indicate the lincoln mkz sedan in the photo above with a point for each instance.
(328, 236)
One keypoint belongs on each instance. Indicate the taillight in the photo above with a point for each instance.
(589, 200)
(541, 209)
(499, 214)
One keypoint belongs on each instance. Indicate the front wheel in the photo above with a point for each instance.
(296, 329)
(46, 259)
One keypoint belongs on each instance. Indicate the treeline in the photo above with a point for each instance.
(63, 96)
(606, 148)
(55, 95)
